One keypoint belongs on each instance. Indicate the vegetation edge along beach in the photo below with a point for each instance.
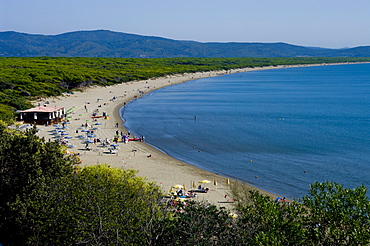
(161, 169)
(24, 79)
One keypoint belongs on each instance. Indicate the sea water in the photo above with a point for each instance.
(280, 129)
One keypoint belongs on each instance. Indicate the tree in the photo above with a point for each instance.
(265, 222)
(197, 224)
(27, 163)
(6, 113)
(97, 205)
(329, 215)
(337, 215)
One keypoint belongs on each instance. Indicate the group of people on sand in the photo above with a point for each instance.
(280, 199)
(182, 194)
(283, 201)
(176, 202)
(123, 136)
(126, 137)
(202, 189)
(85, 125)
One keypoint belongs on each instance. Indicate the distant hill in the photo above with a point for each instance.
(103, 43)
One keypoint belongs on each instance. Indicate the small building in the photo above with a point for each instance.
(42, 115)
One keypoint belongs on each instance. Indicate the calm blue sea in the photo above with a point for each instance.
(280, 130)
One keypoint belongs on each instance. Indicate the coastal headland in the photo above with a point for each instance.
(149, 162)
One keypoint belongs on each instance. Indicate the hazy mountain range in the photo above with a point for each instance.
(103, 43)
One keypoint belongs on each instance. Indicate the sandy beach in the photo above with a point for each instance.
(156, 166)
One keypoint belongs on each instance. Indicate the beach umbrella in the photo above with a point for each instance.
(115, 145)
(64, 133)
(98, 123)
(61, 131)
(233, 215)
(180, 199)
(91, 136)
(84, 130)
(178, 186)
(204, 181)
(68, 137)
(89, 141)
(227, 181)
(215, 182)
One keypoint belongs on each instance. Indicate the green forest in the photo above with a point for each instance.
(47, 199)
(25, 79)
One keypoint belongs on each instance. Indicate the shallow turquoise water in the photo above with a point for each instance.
(297, 125)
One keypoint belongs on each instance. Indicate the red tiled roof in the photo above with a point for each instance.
(41, 109)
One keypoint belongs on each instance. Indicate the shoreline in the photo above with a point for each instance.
(150, 162)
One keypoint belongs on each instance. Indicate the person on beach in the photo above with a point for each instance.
(124, 139)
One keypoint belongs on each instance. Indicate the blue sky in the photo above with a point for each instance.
(320, 23)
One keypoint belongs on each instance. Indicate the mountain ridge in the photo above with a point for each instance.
(105, 43)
